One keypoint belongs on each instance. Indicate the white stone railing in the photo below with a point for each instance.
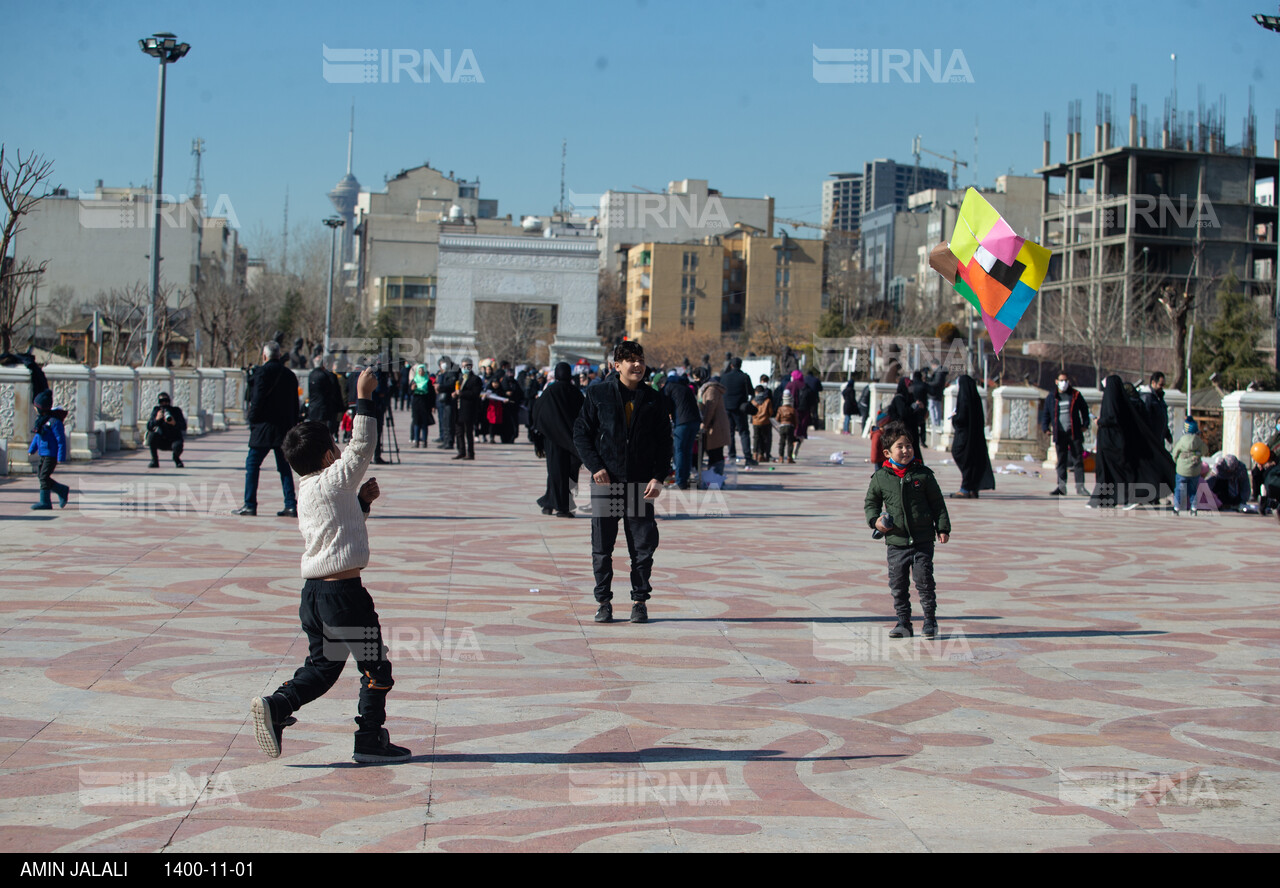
(1247, 418)
(16, 419)
(1015, 423)
(107, 406)
(116, 423)
(73, 388)
(881, 394)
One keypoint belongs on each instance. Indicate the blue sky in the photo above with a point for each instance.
(645, 92)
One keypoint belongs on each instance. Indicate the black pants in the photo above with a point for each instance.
(739, 430)
(1072, 448)
(625, 503)
(465, 436)
(445, 411)
(44, 471)
(158, 443)
(905, 562)
(763, 439)
(340, 621)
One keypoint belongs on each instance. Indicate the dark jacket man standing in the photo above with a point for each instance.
(623, 436)
(1066, 417)
(273, 410)
(737, 392)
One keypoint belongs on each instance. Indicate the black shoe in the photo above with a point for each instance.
(1082, 491)
(902, 630)
(379, 751)
(564, 514)
(546, 511)
(246, 510)
(42, 507)
(268, 727)
(178, 463)
(930, 628)
(604, 614)
(380, 462)
(154, 464)
(639, 612)
(287, 513)
(1057, 491)
(459, 456)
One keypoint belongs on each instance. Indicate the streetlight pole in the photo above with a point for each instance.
(334, 223)
(165, 47)
(1142, 318)
(1272, 23)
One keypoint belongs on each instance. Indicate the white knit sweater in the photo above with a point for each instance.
(333, 529)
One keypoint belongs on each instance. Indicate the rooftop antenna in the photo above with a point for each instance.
(975, 151)
(351, 135)
(284, 259)
(197, 148)
(564, 147)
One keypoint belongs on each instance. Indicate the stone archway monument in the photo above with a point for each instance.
(531, 271)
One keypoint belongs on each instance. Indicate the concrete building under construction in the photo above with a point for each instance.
(1180, 210)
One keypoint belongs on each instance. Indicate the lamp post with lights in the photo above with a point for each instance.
(165, 47)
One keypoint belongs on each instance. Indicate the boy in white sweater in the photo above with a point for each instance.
(337, 612)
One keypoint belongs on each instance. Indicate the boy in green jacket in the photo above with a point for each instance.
(905, 504)
(1188, 454)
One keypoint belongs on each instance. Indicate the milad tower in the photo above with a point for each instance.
(344, 196)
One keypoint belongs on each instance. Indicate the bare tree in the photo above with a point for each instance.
(611, 307)
(23, 184)
(509, 331)
(669, 349)
(126, 311)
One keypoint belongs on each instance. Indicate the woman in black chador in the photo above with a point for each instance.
(969, 444)
(551, 420)
(1132, 468)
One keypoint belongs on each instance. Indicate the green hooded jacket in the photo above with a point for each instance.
(915, 502)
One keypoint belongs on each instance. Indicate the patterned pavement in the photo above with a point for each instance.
(1103, 681)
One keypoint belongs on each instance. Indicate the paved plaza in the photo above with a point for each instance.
(1103, 681)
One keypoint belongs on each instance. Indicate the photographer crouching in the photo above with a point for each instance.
(165, 430)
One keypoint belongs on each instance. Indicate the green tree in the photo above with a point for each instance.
(1229, 347)
(833, 326)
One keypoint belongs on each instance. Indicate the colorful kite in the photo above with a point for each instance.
(997, 271)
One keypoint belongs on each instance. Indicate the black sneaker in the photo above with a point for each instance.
(930, 628)
(178, 463)
(902, 630)
(380, 751)
(639, 612)
(268, 727)
(604, 614)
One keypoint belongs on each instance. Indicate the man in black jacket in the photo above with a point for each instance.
(446, 406)
(324, 397)
(685, 419)
(1066, 417)
(623, 436)
(1157, 410)
(467, 404)
(273, 410)
(737, 392)
(165, 430)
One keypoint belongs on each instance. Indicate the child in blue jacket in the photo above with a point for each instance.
(49, 440)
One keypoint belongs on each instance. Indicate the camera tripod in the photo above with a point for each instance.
(393, 448)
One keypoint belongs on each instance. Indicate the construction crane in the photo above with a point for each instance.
(828, 231)
(954, 157)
